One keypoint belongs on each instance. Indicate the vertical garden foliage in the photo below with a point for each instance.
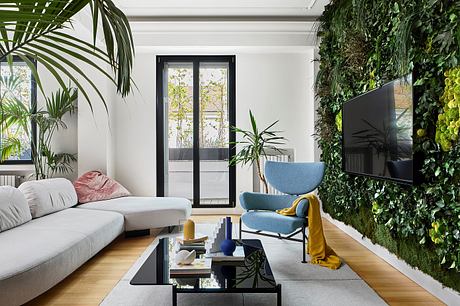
(363, 45)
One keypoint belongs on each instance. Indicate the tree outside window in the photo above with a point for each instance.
(17, 88)
(213, 113)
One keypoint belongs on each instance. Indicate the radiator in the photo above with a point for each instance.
(9, 180)
(287, 155)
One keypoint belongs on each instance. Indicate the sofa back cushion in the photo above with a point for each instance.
(96, 186)
(14, 209)
(48, 196)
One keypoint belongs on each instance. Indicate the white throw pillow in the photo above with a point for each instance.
(48, 196)
(14, 209)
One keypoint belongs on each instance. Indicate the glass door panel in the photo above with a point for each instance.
(214, 134)
(195, 109)
(179, 122)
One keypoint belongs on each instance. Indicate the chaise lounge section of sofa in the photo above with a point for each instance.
(36, 255)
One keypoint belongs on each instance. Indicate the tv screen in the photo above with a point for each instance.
(377, 132)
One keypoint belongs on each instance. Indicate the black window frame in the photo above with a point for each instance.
(33, 125)
(195, 60)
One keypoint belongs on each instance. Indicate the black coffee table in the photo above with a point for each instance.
(253, 275)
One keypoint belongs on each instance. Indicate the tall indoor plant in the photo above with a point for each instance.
(254, 145)
(38, 31)
(17, 119)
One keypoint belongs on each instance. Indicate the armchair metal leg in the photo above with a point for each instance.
(303, 245)
(241, 221)
(279, 236)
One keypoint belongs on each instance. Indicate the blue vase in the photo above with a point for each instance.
(228, 246)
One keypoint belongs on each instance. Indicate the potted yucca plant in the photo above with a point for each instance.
(254, 145)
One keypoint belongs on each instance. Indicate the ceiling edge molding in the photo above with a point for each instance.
(223, 26)
(221, 34)
(141, 18)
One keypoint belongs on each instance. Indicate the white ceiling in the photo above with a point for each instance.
(243, 9)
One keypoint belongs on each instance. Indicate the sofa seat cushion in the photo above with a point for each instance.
(99, 227)
(146, 212)
(270, 221)
(46, 250)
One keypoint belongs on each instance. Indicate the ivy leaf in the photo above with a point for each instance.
(437, 172)
(440, 203)
(423, 240)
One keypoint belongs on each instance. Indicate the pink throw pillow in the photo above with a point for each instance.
(96, 186)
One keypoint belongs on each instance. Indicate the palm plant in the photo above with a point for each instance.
(16, 118)
(255, 144)
(37, 31)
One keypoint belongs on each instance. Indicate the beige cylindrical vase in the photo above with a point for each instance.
(189, 230)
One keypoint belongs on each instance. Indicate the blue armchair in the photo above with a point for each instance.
(293, 179)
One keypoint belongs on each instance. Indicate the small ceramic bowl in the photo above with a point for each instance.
(185, 257)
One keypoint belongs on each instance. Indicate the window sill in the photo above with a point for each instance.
(21, 169)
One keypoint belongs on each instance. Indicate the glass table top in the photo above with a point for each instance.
(253, 274)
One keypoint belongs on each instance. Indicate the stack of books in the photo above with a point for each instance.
(201, 266)
(197, 244)
(238, 255)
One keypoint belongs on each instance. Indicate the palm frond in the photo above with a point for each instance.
(10, 83)
(10, 146)
(61, 103)
(14, 113)
(254, 143)
(36, 30)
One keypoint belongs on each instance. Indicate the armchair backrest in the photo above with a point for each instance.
(294, 178)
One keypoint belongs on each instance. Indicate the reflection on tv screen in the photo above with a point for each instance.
(377, 132)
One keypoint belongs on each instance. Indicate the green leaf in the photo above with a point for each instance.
(40, 23)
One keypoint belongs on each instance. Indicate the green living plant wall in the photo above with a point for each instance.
(364, 44)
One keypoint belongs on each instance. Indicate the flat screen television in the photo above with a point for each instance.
(377, 129)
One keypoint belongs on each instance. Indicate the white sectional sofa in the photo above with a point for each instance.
(35, 255)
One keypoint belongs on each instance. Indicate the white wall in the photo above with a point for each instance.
(133, 131)
(275, 86)
(64, 140)
(88, 130)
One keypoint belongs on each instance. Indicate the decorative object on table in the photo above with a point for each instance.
(199, 266)
(198, 244)
(213, 244)
(228, 246)
(189, 230)
(238, 255)
(198, 248)
(255, 143)
(201, 239)
(184, 257)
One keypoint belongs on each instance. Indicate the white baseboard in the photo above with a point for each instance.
(217, 211)
(447, 295)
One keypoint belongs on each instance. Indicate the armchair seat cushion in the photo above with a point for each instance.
(270, 221)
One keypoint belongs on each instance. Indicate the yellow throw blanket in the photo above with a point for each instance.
(320, 253)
